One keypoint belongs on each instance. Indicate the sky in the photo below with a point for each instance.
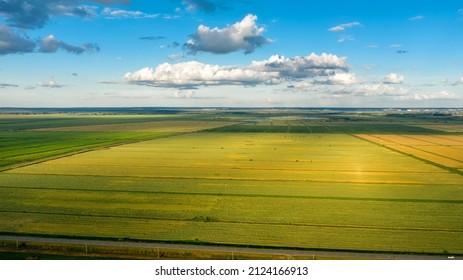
(235, 53)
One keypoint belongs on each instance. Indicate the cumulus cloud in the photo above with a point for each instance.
(12, 42)
(380, 90)
(192, 74)
(50, 44)
(302, 66)
(344, 26)
(442, 95)
(275, 70)
(244, 35)
(342, 79)
(394, 78)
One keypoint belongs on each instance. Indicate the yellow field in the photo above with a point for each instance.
(441, 149)
(248, 157)
(326, 191)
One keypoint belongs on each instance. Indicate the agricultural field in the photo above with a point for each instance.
(276, 186)
(26, 138)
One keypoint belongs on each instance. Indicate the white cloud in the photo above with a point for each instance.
(418, 17)
(275, 70)
(301, 86)
(394, 78)
(380, 90)
(342, 79)
(244, 35)
(50, 84)
(372, 46)
(118, 13)
(184, 94)
(461, 80)
(302, 67)
(394, 46)
(442, 95)
(192, 74)
(343, 27)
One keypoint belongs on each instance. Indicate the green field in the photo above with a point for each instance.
(27, 138)
(231, 185)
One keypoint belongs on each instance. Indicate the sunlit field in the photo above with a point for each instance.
(300, 190)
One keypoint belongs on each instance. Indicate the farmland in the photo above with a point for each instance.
(308, 180)
(26, 138)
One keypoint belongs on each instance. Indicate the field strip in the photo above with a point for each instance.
(242, 179)
(429, 141)
(245, 168)
(368, 138)
(91, 149)
(456, 140)
(405, 200)
(420, 149)
(242, 222)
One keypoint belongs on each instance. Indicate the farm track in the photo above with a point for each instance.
(226, 249)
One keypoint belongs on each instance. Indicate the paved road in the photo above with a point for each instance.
(230, 250)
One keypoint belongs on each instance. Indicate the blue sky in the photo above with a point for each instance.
(103, 53)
